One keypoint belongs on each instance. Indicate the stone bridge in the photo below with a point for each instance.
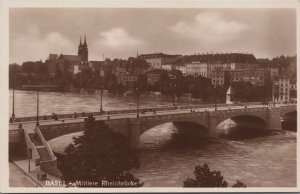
(37, 140)
(133, 128)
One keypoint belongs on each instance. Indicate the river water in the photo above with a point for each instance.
(268, 161)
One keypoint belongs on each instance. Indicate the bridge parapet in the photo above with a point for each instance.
(52, 131)
(15, 135)
(145, 109)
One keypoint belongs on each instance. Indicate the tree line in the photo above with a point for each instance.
(170, 83)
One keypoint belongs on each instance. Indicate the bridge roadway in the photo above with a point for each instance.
(30, 125)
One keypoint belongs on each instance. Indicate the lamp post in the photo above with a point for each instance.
(138, 103)
(174, 96)
(13, 106)
(273, 98)
(215, 96)
(37, 106)
(37, 98)
(29, 157)
(101, 94)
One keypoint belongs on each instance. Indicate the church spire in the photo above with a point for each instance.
(83, 50)
(84, 40)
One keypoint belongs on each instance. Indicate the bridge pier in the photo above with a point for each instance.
(274, 118)
(134, 133)
(212, 123)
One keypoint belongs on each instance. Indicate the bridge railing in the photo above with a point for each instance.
(148, 109)
(15, 135)
(83, 114)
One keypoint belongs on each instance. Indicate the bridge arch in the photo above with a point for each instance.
(174, 134)
(145, 126)
(242, 126)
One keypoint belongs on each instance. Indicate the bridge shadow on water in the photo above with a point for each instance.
(178, 135)
(186, 135)
(242, 127)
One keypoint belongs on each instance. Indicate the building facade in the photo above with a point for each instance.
(218, 78)
(167, 67)
(156, 60)
(281, 89)
(127, 79)
(254, 76)
(154, 76)
(196, 68)
(181, 68)
(212, 67)
(293, 91)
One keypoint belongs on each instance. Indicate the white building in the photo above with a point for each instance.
(196, 68)
(181, 68)
(219, 67)
(293, 91)
(156, 60)
(282, 90)
(167, 67)
(229, 95)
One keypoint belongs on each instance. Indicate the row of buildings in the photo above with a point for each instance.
(222, 69)
(220, 72)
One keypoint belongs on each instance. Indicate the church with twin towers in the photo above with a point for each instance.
(71, 63)
(83, 50)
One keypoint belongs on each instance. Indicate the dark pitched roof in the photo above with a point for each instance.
(156, 55)
(52, 57)
(71, 58)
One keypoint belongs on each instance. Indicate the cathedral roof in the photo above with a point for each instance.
(71, 58)
(52, 57)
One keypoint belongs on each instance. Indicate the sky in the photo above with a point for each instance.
(34, 33)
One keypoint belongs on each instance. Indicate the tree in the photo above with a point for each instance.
(239, 184)
(207, 178)
(15, 78)
(99, 154)
(29, 67)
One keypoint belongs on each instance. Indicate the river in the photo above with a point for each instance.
(268, 161)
